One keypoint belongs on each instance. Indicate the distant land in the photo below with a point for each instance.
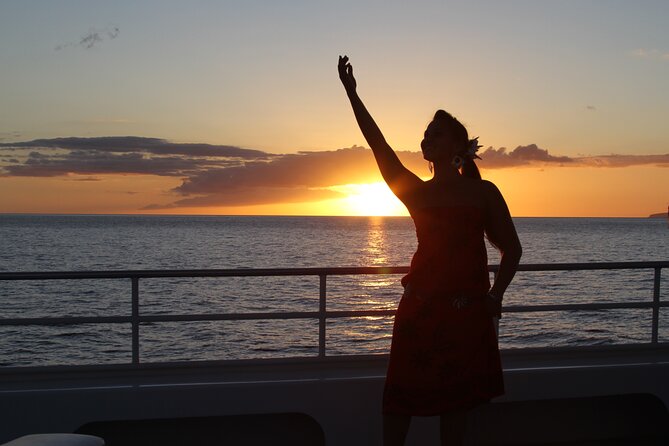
(659, 215)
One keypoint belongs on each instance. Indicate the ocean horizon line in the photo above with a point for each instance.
(103, 214)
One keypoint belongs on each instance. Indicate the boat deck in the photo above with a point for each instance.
(342, 395)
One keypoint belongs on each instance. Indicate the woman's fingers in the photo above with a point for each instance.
(344, 64)
(343, 61)
(346, 73)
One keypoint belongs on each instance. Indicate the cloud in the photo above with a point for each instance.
(122, 155)
(653, 54)
(85, 179)
(304, 169)
(93, 38)
(591, 107)
(91, 163)
(252, 195)
(9, 135)
(220, 175)
(520, 156)
(136, 144)
(625, 160)
(291, 178)
(531, 155)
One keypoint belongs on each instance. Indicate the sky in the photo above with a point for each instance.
(235, 107)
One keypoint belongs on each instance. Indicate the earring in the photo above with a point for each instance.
(430, 166)
(457, 161)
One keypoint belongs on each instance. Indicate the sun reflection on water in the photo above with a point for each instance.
(375, 251)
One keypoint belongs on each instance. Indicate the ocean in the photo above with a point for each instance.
(105, 242)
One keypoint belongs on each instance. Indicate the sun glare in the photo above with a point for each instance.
(373, 199)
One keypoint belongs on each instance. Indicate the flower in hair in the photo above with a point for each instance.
(472, 148)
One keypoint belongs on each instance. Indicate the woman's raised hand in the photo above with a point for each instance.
(346, 74)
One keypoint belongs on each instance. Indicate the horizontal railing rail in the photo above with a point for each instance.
(322, 315)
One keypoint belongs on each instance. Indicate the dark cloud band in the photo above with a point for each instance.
(125, 144)
(219, 175)
(121, 155)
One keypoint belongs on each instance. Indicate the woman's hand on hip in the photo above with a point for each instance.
(493, 305)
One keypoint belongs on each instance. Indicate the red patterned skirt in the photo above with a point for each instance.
(444, 356)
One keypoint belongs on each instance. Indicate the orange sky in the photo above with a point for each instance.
(238, 109)
(635, 191)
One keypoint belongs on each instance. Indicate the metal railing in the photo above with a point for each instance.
(322, 315)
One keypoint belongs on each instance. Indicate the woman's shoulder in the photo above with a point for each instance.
(483, 189)
(486, 185)
(489, 189)
(491, 197)
(483, 193)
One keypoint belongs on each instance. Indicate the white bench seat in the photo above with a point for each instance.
(56, 440)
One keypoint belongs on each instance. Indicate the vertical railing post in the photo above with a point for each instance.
(135, 320)
(321, 316)
(656, 305)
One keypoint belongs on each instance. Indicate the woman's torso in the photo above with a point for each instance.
(451, 257)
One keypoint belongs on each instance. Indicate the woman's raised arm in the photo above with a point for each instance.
(399, 178)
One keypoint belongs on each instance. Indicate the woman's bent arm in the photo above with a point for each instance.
(398, 177)
(502, 233)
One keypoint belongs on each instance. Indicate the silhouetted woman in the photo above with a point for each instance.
(444, 358)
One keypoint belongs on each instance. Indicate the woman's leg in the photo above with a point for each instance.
(395, 428)
(453, 425)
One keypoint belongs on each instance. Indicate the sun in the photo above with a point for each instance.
(373, 199)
